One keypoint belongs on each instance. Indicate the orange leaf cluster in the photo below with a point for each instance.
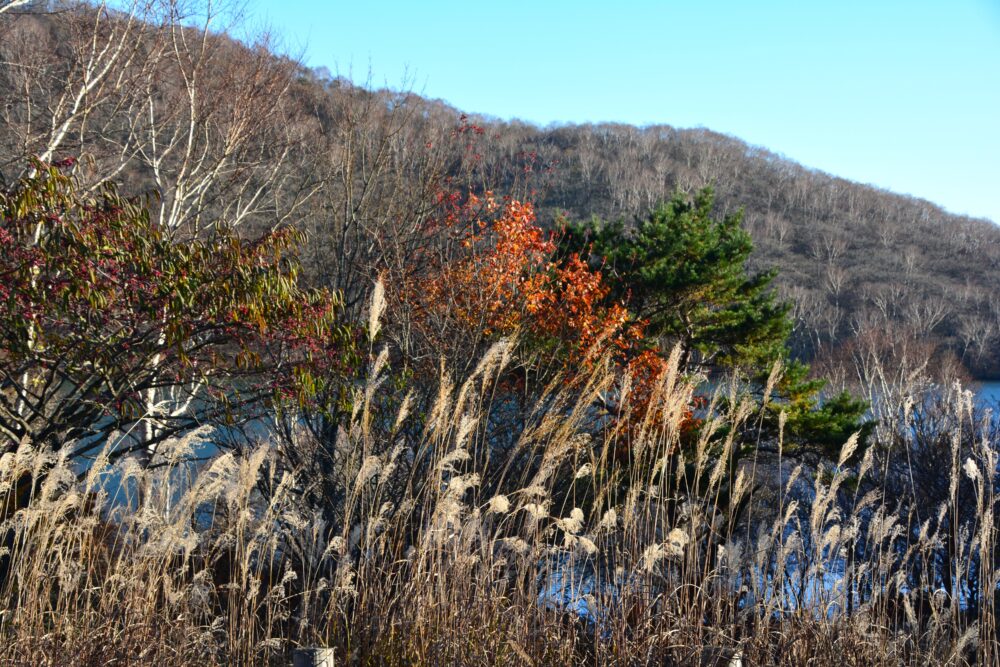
(505, 279)
(485, 286)
(566, 303)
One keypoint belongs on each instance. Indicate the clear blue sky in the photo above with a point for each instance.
(901, 94)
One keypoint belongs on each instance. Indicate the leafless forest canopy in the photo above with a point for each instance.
(224, 129)
(851, 257)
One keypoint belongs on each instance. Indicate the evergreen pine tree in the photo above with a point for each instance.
(684, 272)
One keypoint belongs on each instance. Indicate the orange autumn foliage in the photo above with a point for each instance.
(505, 280)
(565, 303)
(485, 285)
(502, 278)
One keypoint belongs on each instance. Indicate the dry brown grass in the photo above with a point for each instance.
(444, 548)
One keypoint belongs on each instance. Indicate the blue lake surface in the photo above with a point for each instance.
(989, 391)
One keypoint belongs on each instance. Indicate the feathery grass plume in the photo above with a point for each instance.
(533, 491)
(392, 462)
(438, 416)
(651, 556)
(376, 309)
(403, 412)
(466, 425)
(971, 469)
(847, 451)
(448, 461)
(572, 524)
(609, 521)
(677, 541)
(516, 544)
(457, 486)
(499, 504)
(370, 467)
(496, 358)
(772, 380)
(537, 511)
(588, 545)
(375, 377)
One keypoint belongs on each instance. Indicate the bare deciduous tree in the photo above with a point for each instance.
(836, 279)
(7, 5)
(65, 75)
(976, 333)
(927, 312)
(155, 92)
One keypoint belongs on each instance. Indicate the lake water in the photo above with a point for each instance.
(989, 391)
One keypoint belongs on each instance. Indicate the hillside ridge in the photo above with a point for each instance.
(278, 143)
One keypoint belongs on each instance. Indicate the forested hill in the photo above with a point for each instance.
(851, 256)
(229, 130)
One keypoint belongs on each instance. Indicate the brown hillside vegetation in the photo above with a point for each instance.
(275, 142)
(850, 256)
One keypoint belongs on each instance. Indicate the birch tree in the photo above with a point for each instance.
(158, 95)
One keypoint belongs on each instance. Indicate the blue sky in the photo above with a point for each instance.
(903, 95)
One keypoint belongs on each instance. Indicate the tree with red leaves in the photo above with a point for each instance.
(113, 335)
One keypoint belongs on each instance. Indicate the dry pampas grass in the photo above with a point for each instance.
(426, 544)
